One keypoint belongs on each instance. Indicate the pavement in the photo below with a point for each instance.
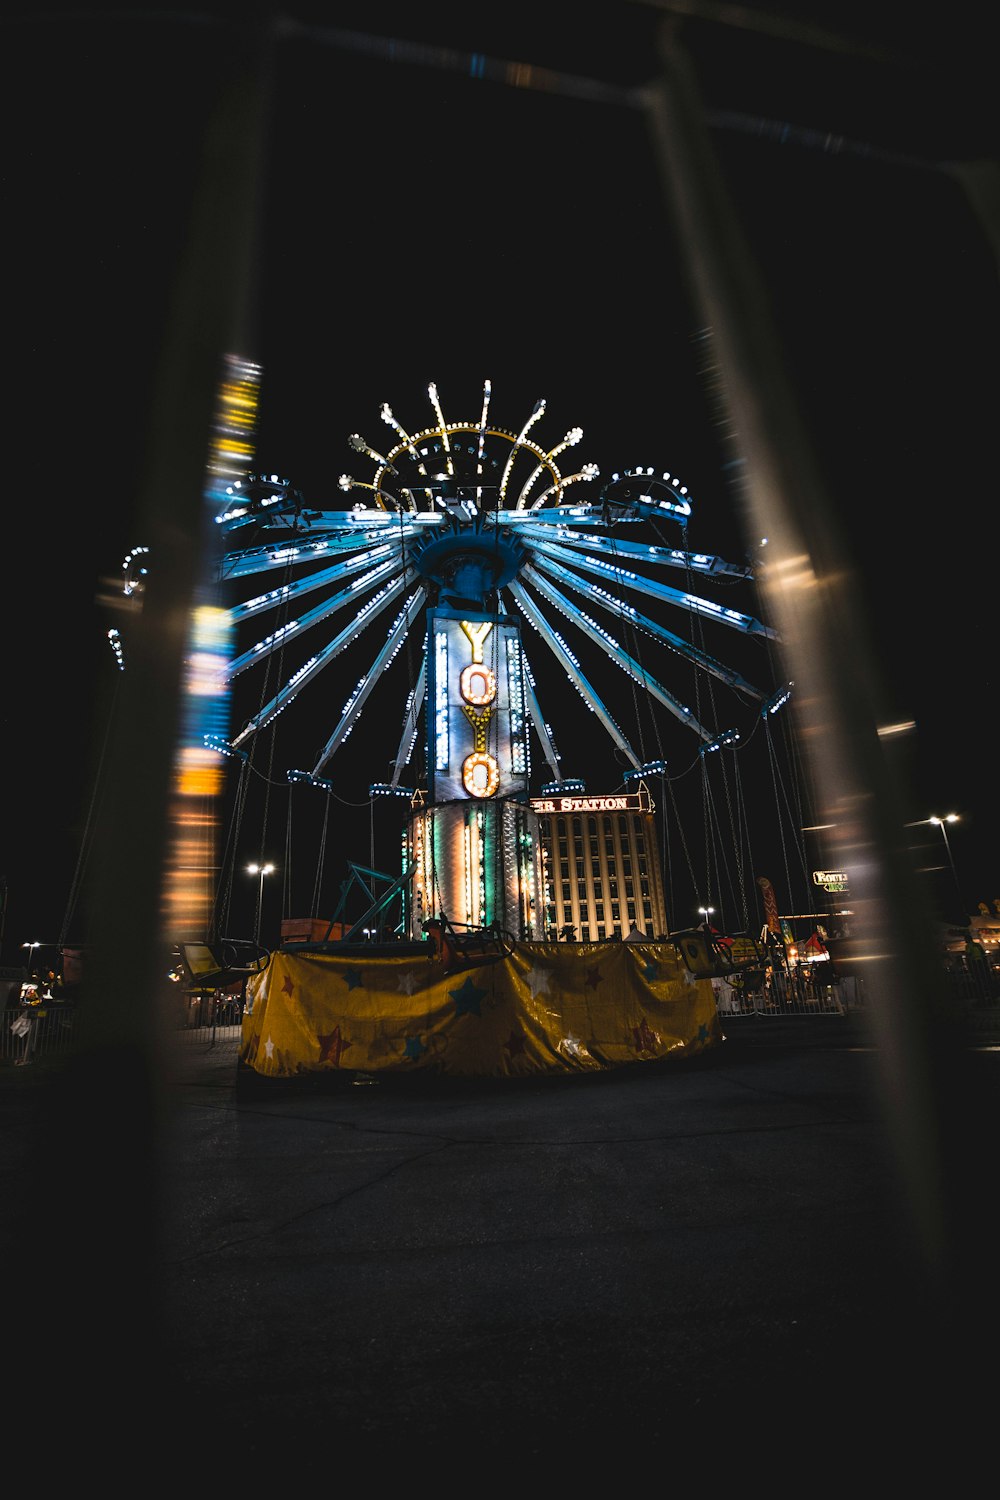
(771, 1263)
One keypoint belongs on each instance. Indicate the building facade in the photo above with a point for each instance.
(602, 872)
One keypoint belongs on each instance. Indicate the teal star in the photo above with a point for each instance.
(352, 978)
(651, 969)
(414, 1047)
(703, 1032)
(469, 998)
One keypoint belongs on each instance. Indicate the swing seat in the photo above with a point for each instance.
(720, 955)
(466, 949)
(209, 967)
(703, 959)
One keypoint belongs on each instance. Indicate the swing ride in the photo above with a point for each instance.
(451, 579)
(471, 516)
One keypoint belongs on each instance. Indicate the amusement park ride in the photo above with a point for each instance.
(467, 537)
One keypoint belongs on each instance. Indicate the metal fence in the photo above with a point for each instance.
(971, 998)
(30, 1031)
(51, 1029)
(212, 1023)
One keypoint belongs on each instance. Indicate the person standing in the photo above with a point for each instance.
(24, 1023)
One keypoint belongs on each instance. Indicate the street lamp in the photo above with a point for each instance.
(705, 912)
(260, 870)
(940, 823)
(30, 947)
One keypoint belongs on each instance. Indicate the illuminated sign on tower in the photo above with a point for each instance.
(476, 721)
(474, 844)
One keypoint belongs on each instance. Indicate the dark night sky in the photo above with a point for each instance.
(418, 225)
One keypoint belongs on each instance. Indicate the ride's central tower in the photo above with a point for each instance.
(474, 844)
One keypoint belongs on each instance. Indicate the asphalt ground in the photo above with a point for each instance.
(735, 1269)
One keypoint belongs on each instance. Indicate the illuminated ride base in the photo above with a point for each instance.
(481, 545)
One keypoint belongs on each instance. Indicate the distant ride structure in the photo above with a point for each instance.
(468, 539)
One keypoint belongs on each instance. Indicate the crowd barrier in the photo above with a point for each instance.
(31, 1033)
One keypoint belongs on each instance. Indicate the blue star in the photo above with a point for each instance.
(414, 1047)
(703, 1033)
(651, 969)
(352, 978)
(469, 998)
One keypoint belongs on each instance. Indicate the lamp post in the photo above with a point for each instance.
(940, 823)
(31, 948)
(705, 912)
(260, 870)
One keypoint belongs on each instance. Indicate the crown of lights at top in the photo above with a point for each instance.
(451, 467)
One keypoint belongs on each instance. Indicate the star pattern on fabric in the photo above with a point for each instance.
(468, 999)
(573, 1046)
(269, 1048)
(333, 1046)
(516, 1043)
(407, 982)
(690, 978)
(287, 985)
(352, 978)
(414, 1047)
(703, 1032)
(593, 977)
(645, 1039)
(651, 969)
(538, 980)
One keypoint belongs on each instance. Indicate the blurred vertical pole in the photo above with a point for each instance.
(98, 1213)
(813, 601)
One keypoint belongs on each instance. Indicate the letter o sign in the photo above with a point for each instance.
(477, 684)
(480, 774)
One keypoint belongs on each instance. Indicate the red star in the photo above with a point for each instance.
(515, 1043)
(593, 978)
(645, 1040)
(286, 984)
(332, 1047)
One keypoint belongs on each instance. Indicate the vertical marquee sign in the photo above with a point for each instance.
(477, 730)
(474, 845)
